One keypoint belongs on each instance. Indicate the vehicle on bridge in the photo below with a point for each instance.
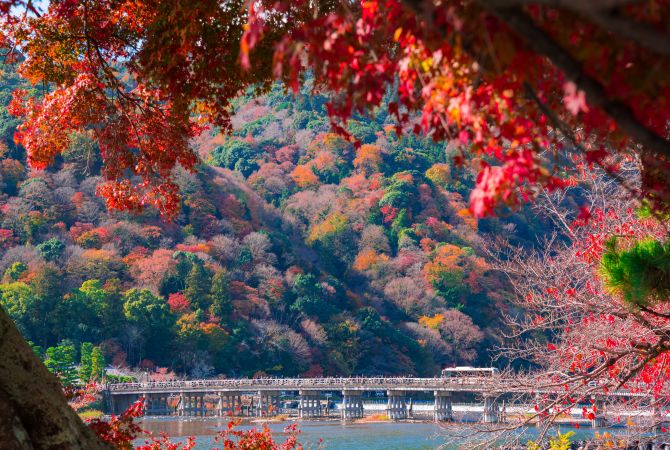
(467, 371)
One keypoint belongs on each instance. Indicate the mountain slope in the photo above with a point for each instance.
(294, 253)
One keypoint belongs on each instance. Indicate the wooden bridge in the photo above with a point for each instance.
(260, 396)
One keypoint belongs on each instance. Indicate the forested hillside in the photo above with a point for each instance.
(295, 253)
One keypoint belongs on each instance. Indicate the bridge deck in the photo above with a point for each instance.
(486, 385)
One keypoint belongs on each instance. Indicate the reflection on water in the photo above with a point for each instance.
(335, 435)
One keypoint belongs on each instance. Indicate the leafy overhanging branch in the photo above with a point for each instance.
(543, 44)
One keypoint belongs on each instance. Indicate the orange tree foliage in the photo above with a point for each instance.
(449, 268)
(367, 259)
(431, 322)
(500, 80)
(304, 176)
(368, 158)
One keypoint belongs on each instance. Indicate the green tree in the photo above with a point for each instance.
(61, 361)
(309, 297)
(236, 155)
(85, 361)
(15, 271)
(220, 296)
(79, 315)
(51, 249)
(344, 344)
(198, 286)
(641, 273)
(151, 315)
(105, 305)
(98, 364)
(400, 194)
(174, 280)
(36, 348)
(22, 305)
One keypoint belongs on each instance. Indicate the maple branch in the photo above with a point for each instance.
(644, 34)
(544, 45)
(605, 14)
(574, 5)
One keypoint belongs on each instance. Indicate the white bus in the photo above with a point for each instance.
(467, 371)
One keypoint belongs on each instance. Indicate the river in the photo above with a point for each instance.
(335, 434)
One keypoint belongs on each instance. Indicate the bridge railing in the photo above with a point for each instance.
(325, 383)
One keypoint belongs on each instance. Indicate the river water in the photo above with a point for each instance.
(338, 436)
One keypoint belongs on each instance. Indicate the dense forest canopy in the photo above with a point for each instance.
(293, 253)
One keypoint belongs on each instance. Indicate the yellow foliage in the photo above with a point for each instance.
(558, 442)
(334, 223)
(90, 414)
(374, 418)
(439, 174)
(431, 322)
(94, 253)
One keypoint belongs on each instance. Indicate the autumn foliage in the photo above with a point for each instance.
(123, 431)
(348, 216)
(499, 81)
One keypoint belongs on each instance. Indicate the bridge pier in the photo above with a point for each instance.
(123, 402)
(396, 407)
(184, 408)
(443, 411)
(191, 405)
(225, 404)
(108, 400)
(180, 405)
(156, 404)
(202, 410)
(219, 404)
(600, 419)
(491, 410)
(309, 404)
(189, 402)
(268, 403)
(352, 405)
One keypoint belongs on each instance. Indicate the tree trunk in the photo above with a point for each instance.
(34, 413)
